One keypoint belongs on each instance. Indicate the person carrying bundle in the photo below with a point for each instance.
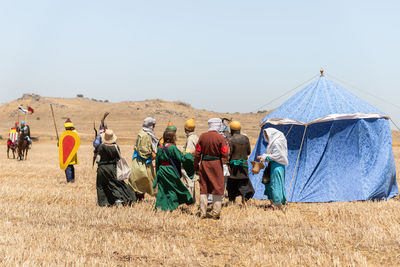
(110, 190)
(277, 155)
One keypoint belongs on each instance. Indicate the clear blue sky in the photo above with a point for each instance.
(218, 55)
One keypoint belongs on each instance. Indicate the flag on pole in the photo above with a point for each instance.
(30, 110)
(22, 109)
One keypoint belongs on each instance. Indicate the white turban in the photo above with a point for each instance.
(277, 146)
(149, 122)
(148, 127)
(214, 124)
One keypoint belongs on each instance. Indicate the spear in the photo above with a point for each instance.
(54, 120)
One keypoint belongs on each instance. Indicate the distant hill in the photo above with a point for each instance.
(125, 117)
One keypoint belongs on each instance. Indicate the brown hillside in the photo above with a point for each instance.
(125, 117)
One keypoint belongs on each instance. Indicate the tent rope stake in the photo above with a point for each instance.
(297, 162)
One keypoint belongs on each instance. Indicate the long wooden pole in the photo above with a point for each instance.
(54, 120)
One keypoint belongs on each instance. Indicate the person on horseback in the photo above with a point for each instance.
(27, 132)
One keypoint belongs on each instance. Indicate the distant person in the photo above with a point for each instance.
(169, 160)
(13, 135)
(142, 170)
(277, 155)
(12, 141)
(210, 150)
(26, 131)
(190, 147)
(70, 170)
(110, 190)
(238, 182)
(16, 126)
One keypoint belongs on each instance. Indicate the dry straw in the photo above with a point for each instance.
(45, 221)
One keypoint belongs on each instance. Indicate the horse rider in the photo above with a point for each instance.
(26, 131)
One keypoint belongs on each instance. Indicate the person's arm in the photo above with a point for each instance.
(97, 141)
(248, 146)
(263, 157)
(197, 156)
(231, 148)
(176, 154)
(224, 150)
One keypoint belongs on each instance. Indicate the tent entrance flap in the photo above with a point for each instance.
(344, 160)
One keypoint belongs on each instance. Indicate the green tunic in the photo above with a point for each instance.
(171, 191)
(109, 189)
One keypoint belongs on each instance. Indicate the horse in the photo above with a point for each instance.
(22, 146)
(11, 146)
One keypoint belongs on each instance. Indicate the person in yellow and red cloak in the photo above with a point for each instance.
(68, 150)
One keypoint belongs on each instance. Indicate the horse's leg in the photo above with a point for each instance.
(8, 152)
(26, 153)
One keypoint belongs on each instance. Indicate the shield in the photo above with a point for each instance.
(13, 135)
(67, 148)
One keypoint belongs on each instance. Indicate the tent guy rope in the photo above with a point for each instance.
(287, 92)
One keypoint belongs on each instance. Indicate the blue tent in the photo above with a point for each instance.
(339, 147)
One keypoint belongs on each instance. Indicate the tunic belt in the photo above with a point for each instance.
(107, 162)
(165, 163)
(137, 156)
(209, 158)
(239, 162)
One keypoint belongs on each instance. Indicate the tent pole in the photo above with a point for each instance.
(297, 161)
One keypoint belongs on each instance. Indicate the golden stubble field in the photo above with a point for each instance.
(45, 221)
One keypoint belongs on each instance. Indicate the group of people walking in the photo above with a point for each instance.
(217, 159)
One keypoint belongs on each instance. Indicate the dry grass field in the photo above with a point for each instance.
(45, 221)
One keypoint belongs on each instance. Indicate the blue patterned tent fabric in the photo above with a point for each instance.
(340, 160)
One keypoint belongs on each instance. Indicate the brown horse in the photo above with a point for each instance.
(11, 146)
(22, 146)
